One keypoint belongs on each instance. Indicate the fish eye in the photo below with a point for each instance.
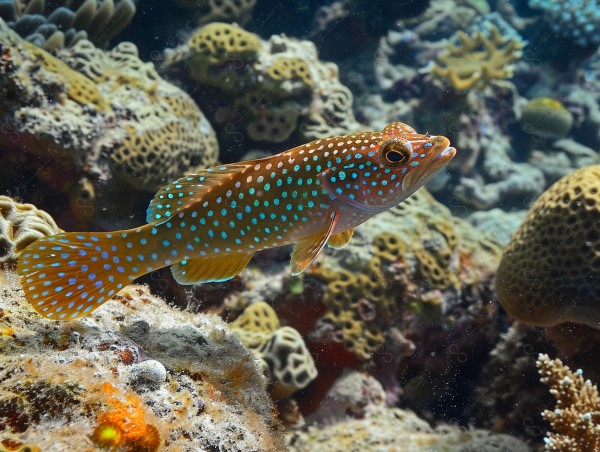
(396, 152)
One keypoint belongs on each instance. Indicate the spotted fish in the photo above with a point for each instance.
(208, 225)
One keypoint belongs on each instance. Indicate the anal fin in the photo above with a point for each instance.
(340, 239)
(307, 250)
(210, 269)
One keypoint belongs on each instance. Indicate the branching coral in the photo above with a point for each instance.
(478, 59)
(576, 419)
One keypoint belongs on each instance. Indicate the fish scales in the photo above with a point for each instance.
(208, 225)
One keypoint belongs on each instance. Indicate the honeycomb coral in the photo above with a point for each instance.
(546, 117)
(219, 54)
(101, 114)
(550, 271)
(21, 225)
(290, 68)
(56, 24)
(276, 88)
(477, 59)
(285, 358)
(578, 21)
(419, 252)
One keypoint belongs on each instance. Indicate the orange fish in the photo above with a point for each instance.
(208, 225)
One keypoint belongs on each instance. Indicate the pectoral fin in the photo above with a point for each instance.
(340, 239)
(307, 250)
(210, 269)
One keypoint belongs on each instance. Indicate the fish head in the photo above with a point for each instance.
(397, 162)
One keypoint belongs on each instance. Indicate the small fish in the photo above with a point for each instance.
(208, 225)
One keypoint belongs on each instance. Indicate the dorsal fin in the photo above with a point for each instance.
(397, 129)
(189, 189)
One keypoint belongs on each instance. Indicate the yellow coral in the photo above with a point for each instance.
(166, 134)
(576, 419)
(550, 271)
(478, 59)
(284, 356)
(290, 68)
(217, 42)
(79, 88)
(546, 117)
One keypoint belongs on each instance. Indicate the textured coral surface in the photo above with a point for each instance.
(549, 271)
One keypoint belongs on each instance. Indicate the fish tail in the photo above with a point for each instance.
(68, 275)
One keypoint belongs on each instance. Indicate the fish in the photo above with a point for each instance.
(208, 225)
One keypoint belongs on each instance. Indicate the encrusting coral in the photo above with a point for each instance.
(21, 225)
(71, 385)
(478, 59)
(53, 25)
(549, 272)
(275, 88)
(381, 274)
(99, 114)
(576, 418)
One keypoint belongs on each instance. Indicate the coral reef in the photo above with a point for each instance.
(21, 225)
(206, 11)
(396, 429)
(99, 114)
(576, 418)
(138, 375)
(548, 273)
(546, 117)
(478, 59)
(576, 20)
(284, 356)
(274, 88)
(54, 25)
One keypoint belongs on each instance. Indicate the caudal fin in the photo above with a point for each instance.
(68, 275)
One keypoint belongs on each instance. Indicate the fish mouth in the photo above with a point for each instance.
(415, 180)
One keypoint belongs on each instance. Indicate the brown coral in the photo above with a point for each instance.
(550, 271)
(478, 59)
(576, 419)
(99, 114)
